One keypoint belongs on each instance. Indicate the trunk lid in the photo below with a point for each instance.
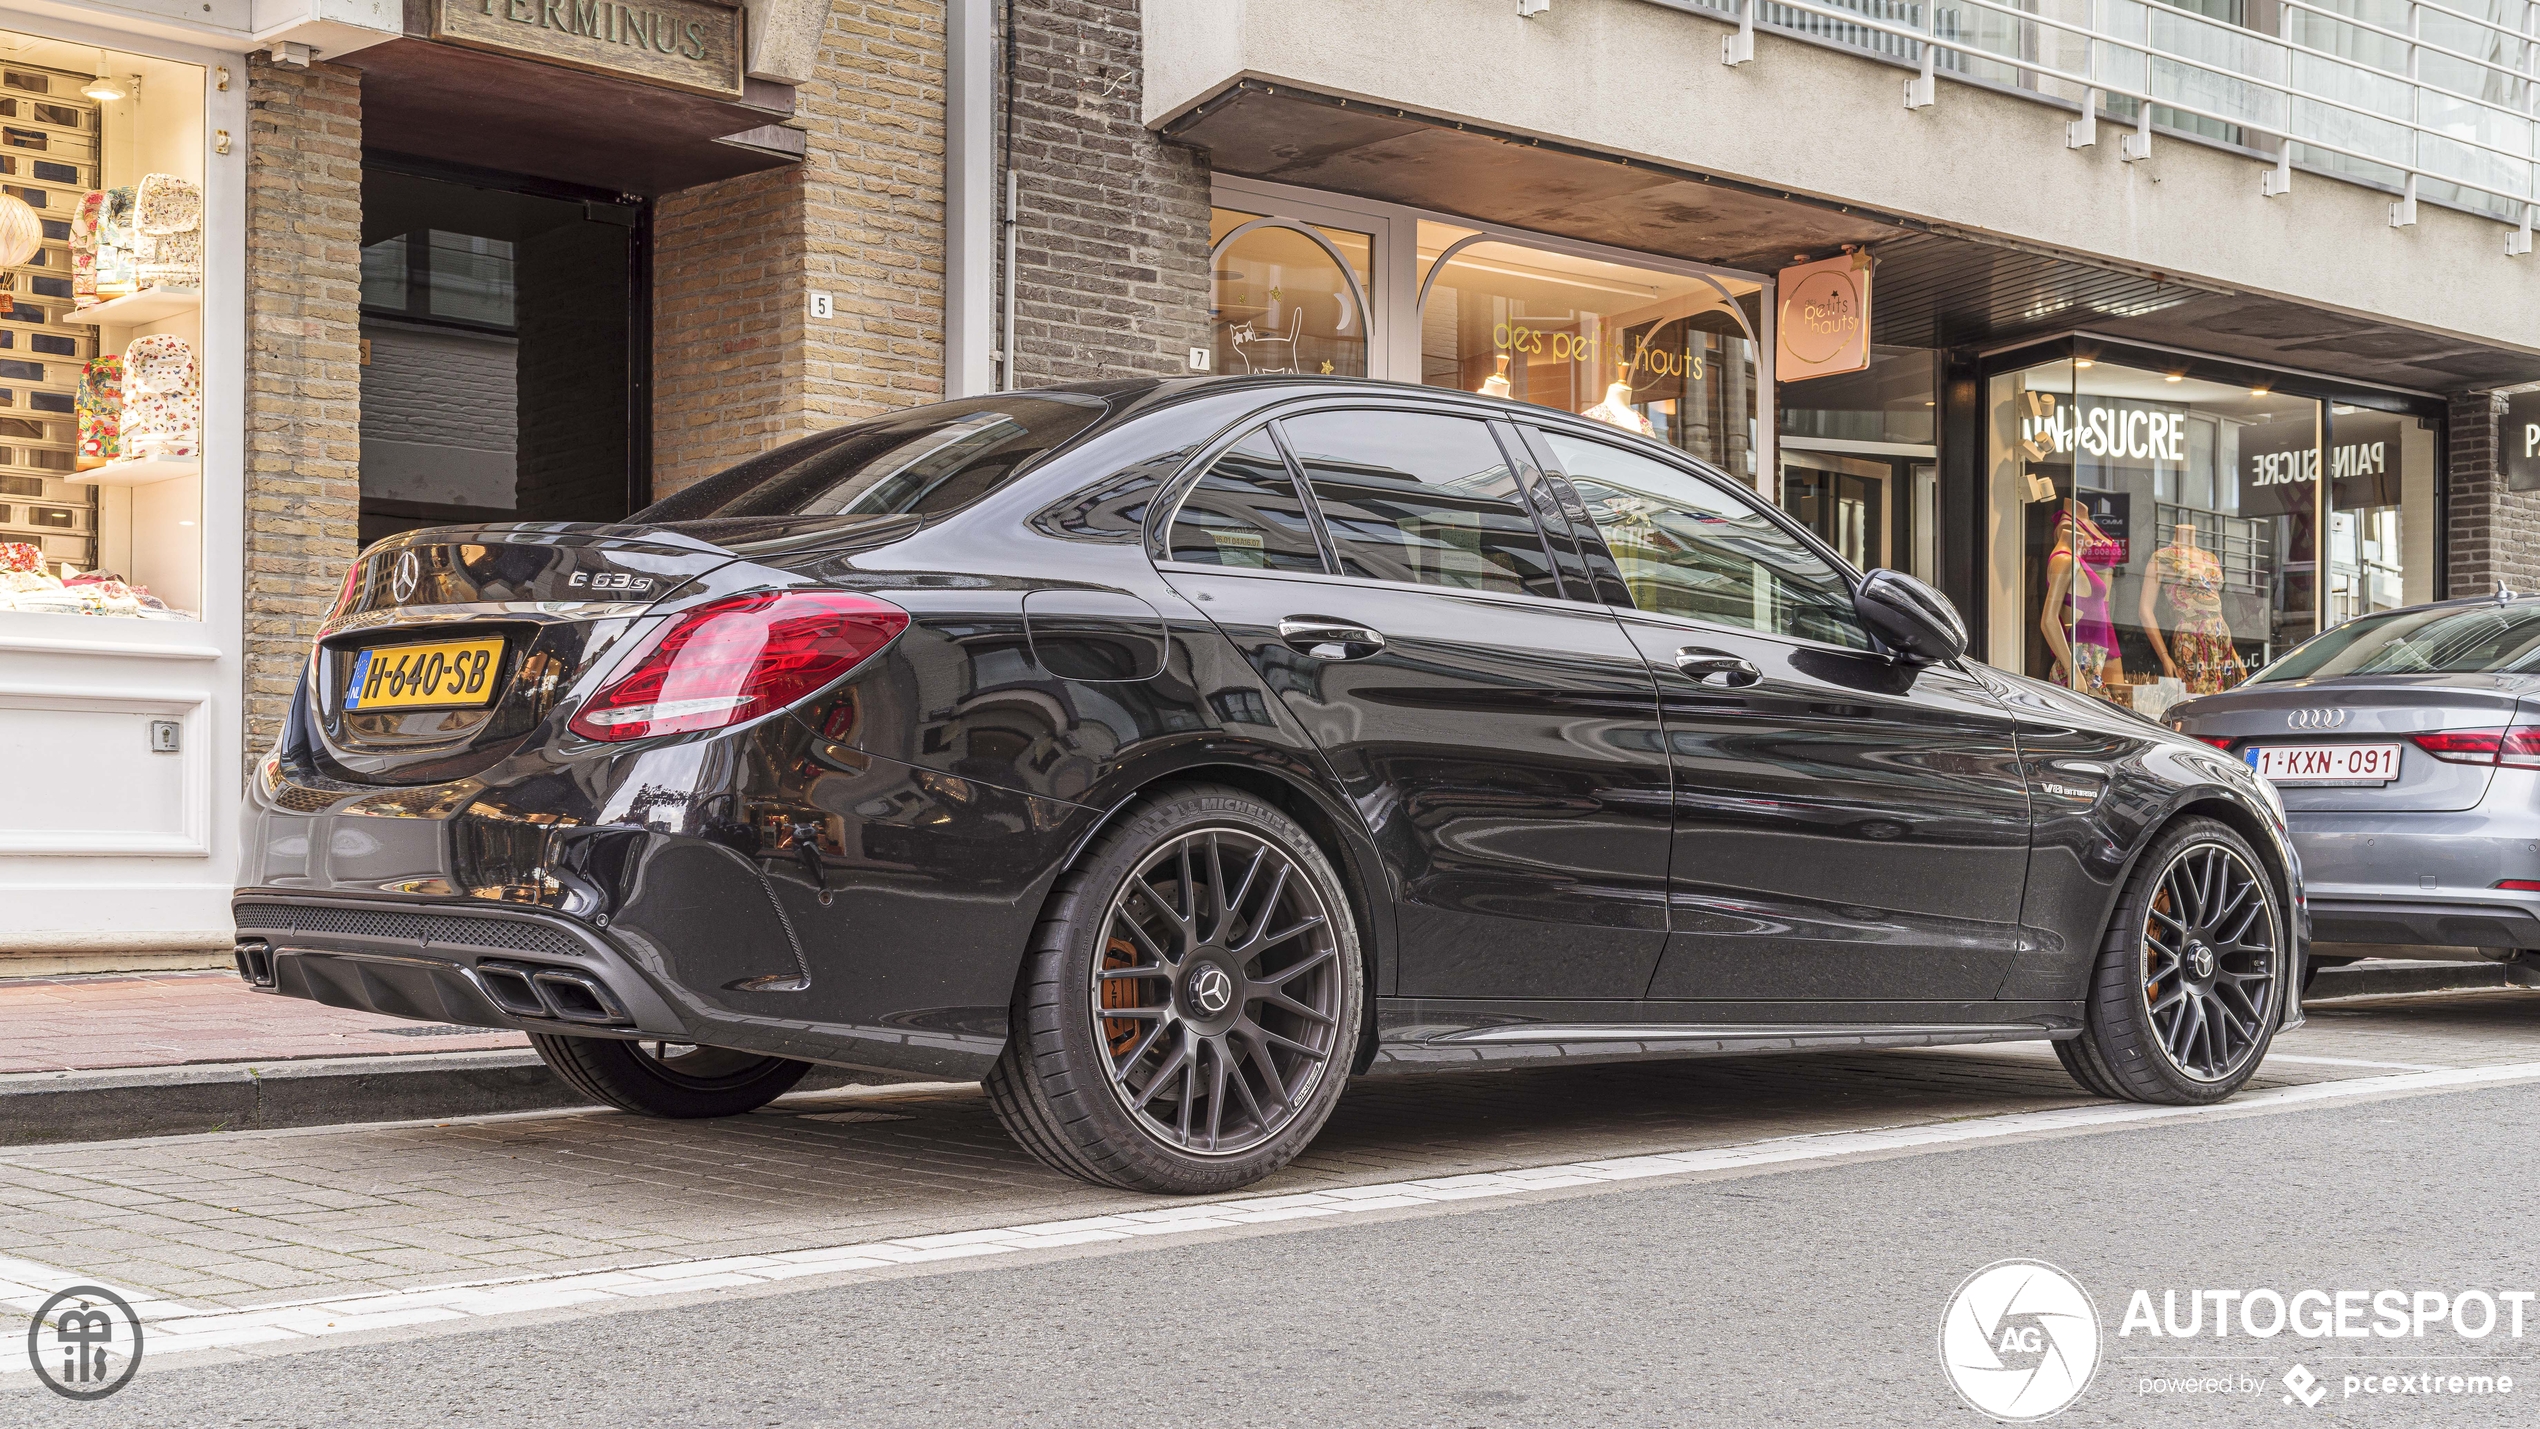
(2366, 709)
(464, 639)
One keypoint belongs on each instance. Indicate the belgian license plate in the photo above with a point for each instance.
(436, 675)
(2326, 763)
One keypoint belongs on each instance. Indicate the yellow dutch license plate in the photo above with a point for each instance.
(442, 674)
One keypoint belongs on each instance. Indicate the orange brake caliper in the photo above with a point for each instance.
(1121, 1032)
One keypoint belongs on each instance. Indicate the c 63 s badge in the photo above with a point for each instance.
(610, 581)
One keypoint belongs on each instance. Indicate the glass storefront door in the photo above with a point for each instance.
(1847, 501)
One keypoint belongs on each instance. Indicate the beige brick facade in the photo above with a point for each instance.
(303, 401)
(739, 366)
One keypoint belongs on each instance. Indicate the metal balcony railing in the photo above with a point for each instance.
(2431, 100)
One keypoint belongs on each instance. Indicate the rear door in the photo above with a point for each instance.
(1847, 829)
(1500, 740)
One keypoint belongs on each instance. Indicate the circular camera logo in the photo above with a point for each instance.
(73, 1342)
(2020, 1340)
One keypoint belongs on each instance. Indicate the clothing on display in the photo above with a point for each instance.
(26, 586)
(2197, 647)
(1617, 410)
(2083, 567)
(163, 398)
(100, 412)
(168, 225)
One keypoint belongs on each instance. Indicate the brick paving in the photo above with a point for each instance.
(277, 1217)
(166, 1019)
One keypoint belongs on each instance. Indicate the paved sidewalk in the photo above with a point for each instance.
(170, 1019)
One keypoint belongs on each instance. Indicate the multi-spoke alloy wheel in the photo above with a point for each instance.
(1218, 992)
(2209, 961)
(1191, 1005)
(2188, 988)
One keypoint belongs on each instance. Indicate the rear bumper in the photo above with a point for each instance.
(472, 965)
(2426, 878)
(2412, 920)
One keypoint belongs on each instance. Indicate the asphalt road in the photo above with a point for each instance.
(1798, 1297)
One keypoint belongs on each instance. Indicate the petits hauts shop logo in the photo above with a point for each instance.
(2020, 1340)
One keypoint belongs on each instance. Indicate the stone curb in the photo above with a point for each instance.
(40, 1107)
(51, 1108)
(2383, 977)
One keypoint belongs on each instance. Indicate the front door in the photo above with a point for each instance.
(1501, 741)
(1847, 829)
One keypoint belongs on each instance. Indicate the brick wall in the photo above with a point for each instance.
(446, 388)
(1112, 244)
(2495, 533)
(303, 409)
(738, 365)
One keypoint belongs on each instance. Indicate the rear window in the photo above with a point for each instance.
(920, 462)
(2440, 640)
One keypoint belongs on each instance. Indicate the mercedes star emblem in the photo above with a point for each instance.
(1212, 991)
(409, 570)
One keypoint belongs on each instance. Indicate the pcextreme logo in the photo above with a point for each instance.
(2020, 1340)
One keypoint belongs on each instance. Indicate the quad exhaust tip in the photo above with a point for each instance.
(255, 963)
(527, 990)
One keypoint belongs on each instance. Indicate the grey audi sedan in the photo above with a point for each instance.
(2406, 746)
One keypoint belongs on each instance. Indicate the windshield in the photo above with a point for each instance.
(2433, 640)
(922, 461)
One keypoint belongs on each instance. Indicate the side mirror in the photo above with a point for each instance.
(1915, 620)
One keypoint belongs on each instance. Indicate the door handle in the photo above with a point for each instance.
(1324, 638)
(1717, 667)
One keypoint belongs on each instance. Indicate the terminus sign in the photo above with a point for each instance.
(685, 44)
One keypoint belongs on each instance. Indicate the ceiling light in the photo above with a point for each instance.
(2175, 377)
(2257, 392)
(2084, 362)
(104, 88)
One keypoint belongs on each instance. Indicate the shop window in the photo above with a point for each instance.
(2158, 536)
(1665, 354)
(1288, 296)
(102, 231)
(1415, 497)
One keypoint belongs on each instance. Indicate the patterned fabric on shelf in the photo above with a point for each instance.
(163, 398)
(100, 411)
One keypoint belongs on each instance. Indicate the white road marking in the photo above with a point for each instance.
(176, 1329)
(2274, 1056)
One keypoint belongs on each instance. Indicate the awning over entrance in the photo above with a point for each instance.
(1936, 288)
(459, 106)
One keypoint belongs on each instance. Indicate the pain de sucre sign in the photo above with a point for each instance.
(684, 44)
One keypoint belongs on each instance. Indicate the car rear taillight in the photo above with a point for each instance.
(737, 659)
(2218, 741)
(2519, 885)
(2515, 748)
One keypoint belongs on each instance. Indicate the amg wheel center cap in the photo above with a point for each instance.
(2200, 960)
(1212, 990)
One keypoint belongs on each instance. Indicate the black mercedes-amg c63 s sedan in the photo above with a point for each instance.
(1167, 753)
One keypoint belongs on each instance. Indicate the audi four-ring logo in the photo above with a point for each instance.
(409, 570)
(2315, 719)
(1212, 990)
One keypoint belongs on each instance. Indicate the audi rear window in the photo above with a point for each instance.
(2437, 640)
(923, 462)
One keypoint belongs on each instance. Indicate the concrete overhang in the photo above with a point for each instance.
(1989, 230)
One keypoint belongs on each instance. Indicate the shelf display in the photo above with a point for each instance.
(101, 397)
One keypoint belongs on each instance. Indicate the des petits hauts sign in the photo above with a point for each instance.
(1823, 324)
(694, 45)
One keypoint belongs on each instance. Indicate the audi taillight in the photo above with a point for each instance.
(2514, 748)
(737, 659)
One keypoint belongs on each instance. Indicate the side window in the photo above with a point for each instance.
(1245, 512)
(1411, 496)
(1687, 547)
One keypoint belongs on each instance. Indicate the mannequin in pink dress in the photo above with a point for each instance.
(2088, 660)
